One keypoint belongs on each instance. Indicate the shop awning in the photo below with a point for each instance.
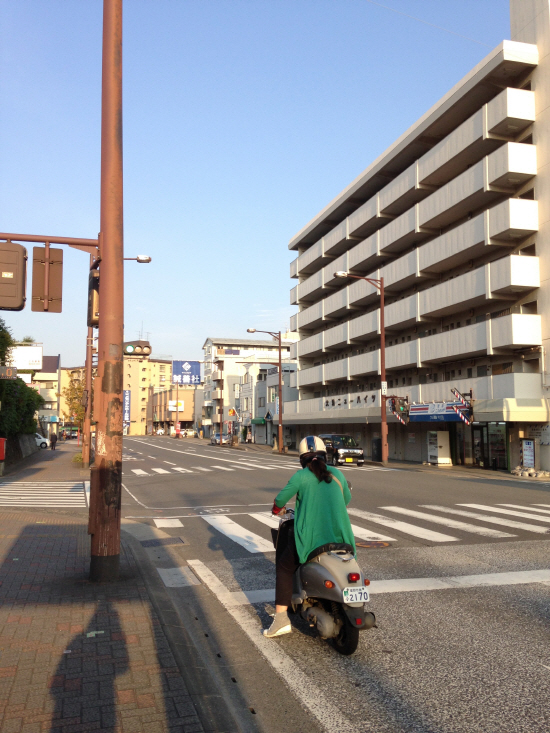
(258, 421)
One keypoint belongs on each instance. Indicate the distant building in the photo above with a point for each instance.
(143, 376)
(162, 408)
(47, 383)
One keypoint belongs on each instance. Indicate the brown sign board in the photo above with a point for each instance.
(13, 276)
(47, 279)
(8, 372)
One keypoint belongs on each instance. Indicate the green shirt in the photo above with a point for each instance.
(320, 515)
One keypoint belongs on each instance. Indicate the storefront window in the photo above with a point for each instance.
(497, 446)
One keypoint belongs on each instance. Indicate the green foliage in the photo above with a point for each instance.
(73, 397)
(19, 405)
(6, 342)
(77, 458)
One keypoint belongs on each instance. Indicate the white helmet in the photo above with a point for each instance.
(312, 445)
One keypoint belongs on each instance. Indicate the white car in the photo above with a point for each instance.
(215, 439)
(41, 441)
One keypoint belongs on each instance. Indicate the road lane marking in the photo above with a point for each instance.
(243, 468)
(223, 468)
(200, 468)
(169, 463)
(181, 577)
(488, 518)
(139, 472)
(405, 527)
(181, 470)
(265, 518)
(541, 505)
(530, 508)
(135, 498)
(160, 470)
(510, 512)
(250, 541)
(167, 522)
(365, 534)
(320, 707)
(519, 577)
(54, 494)
(452, 523)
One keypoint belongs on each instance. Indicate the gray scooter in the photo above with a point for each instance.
(330, 591)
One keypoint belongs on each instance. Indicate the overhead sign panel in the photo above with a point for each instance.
(27, 357)
(186, 372)
(437, 412)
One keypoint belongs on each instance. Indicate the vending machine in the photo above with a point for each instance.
(439, 448)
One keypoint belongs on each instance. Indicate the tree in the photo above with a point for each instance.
(6, 342)
(73, 395)
(27, 340)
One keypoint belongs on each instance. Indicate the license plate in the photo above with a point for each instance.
(349, 460)
(355, 595)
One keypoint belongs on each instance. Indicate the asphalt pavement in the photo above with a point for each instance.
(460, 589)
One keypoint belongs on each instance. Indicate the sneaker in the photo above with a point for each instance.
(281, 625)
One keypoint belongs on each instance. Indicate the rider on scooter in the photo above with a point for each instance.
(321, 517)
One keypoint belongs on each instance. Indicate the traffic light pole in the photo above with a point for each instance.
(86, 433)
(106, 478)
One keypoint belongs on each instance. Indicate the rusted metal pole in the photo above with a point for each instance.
(86, 433)
(383, 420)
(104, 524)
(280, 432)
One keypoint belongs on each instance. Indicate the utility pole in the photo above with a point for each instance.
(105, 496)
(86, 433)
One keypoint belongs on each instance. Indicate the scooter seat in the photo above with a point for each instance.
(330, 547)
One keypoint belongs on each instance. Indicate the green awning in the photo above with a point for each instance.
(258, 421)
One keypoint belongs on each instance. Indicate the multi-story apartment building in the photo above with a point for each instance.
(224, 366)
(47, 383)
(162, 413)
(454, 217)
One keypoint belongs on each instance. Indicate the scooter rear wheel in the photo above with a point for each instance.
(348, 639)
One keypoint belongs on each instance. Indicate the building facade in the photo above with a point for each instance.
(226, 361)
(141, 374)
(162, 413)
(453, 217)
(47, 383)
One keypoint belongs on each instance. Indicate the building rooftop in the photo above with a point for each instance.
(50, 364)
(240, 342)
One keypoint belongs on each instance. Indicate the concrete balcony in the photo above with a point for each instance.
(313, 287)
(402, 273)
(294, 322)
(401, 314)
(338, 303)
(514, 274)
(311, 317)
(312, 259)
(401, 233)
(366, 255)
(310, 346)
(403, 355)
(365, 327)
(363, 364)
(216, 375)
(367, 218)
(294, 295)
(313, 375)
(294, 268)
(337, 337)
(505, 115)
(509, 221)
(517, 330)
(361, 292)
(335, 242)
(293, 380)
(217, 394)
(336, 371)
(468, 341)
(50, 395)
(506, 168)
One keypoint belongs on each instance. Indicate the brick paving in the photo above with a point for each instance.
(77, 656)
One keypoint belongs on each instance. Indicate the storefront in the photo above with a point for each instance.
(489, 444)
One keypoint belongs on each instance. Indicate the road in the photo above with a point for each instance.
(467, 653)
(460, 588)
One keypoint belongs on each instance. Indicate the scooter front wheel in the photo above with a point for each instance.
(348, 639)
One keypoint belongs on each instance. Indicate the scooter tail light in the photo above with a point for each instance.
(358, 621)
(329, 584)
(354, 577)
(367, 581)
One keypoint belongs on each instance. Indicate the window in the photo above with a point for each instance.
(49, 385)
(482, 370)
(273, 394)
(470, 372)
(163, 378)
(261, 401)
(162, 368)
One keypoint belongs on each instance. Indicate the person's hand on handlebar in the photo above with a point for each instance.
(277, 510)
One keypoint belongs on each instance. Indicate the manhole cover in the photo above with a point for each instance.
(372, 545)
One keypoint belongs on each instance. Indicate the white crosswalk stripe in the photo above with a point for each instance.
(179, 469)
(160, 470)
(223, 468)
(405, 527)
(490, 519)
(509, 512)
(446, 522)
(530, 508)
(202, 468)
(42, 494)
(139, 472)
(250, 541)
(365, 534)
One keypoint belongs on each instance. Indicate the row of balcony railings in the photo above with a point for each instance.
(491, 128)
(492, 335)
(490, 387)
(507, 168)
(503, 279)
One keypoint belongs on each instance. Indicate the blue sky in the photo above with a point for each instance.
(242, 119)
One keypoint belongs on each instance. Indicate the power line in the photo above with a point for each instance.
(432, 25)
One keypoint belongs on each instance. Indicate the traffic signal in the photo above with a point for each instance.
(47, 283)
(402, 405)
(391, 405)
(93, 298)
(13, 280)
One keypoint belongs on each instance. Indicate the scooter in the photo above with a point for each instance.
(329, 590)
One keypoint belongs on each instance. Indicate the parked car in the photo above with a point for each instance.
(190, 433)
(215, 439)
(41, 441)
(342, 449)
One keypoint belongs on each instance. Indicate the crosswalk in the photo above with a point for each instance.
(53, 494)
(245, 465)
(232, 527)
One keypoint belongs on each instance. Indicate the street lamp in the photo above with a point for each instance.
(276, 335)
(143, 259)
(379, 285)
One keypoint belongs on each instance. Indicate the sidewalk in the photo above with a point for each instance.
(53, 465)
(78, 656)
